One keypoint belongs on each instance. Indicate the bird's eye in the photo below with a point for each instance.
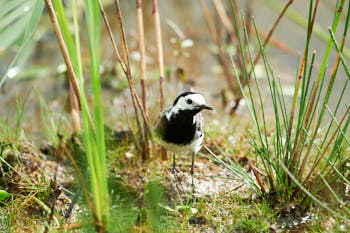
(189, 101)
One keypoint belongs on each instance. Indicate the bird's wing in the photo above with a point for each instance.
(161, 123)
(199, 120)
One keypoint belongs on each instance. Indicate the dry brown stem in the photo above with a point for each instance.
(330, 84)
(249, 13)
(327, 146)
(122, 63)
(222, 56)
(110, 33)
(135, 100)
(220, 9)
(277, 43)
(74, 95)
(75, 110)
(296, 93)
(257, 176)
(156, 20)
(300, 139)
(142, 51)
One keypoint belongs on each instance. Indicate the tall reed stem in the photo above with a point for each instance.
(74, 90)
(302, 74)
(157, 28)
(320, 78)
(125, 66)
(135, 100)
(142, 51)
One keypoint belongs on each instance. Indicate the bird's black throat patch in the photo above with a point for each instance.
(180, 128)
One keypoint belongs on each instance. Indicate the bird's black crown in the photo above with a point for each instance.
(183, 95)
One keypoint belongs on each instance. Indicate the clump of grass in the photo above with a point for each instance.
(25, 188)
(296, 166)
(11, 128)
(92, 124)
(93, 128)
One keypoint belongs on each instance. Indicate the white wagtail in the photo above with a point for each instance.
(180, 126)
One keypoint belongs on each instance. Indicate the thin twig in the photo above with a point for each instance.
(257, 176)
(277, 43)
(220, 9)
(45, 208)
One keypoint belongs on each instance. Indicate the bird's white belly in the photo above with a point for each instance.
(194, 146)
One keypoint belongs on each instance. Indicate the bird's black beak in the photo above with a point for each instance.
(204, 106)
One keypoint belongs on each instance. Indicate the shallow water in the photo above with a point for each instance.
(201, 65)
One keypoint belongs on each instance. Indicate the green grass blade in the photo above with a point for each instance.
(324, 205)
(31, 26)
(92, 14)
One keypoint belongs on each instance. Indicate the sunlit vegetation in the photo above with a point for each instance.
(75, 159)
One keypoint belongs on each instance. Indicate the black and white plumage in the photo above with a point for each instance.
(180, 126)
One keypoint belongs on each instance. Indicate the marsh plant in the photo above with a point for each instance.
(307, 152)
(92, 125)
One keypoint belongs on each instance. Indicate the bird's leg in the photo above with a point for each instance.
(174, 171)
(192, 167)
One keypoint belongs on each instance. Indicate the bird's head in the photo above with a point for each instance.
(190, 102)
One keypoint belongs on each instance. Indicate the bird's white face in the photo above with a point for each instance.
(190, 102)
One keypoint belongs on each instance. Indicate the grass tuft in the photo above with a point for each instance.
(293, 156)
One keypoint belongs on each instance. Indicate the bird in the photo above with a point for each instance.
(180, 126)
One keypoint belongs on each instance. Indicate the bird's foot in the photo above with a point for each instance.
(192, 189)
(192, 182)
(174, 171)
